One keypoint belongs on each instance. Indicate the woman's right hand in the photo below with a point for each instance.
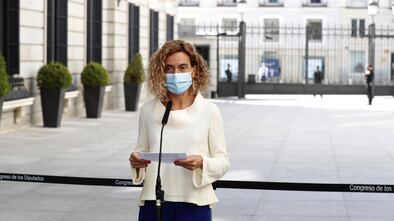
(136, 162)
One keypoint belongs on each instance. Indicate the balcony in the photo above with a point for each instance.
(314, 3)
(271, 3)
(357, 4)
(185, 30)
(227, 3)
(189, 3)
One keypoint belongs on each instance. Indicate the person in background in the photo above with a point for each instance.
(317, 78)
(263, 72)
(178, 73)
(369, 76)
(229, 74)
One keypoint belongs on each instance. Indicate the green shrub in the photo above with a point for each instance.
(94, 75)
(54, 76)
(135, 71)
(4, 84)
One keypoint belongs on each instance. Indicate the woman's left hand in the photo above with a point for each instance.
(192, 162)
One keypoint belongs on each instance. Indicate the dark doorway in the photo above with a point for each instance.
(392, 67)
(204, 52)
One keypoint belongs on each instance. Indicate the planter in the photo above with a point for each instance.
(251, 78)
(93, 97)
(131, 95)
(52, 104)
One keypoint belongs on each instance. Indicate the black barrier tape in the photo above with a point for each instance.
(66, 180)
(256, 185)
(320, 187)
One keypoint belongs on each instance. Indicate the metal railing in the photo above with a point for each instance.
(18, 89)
(282, 52)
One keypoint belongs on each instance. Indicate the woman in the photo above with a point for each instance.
(178, 73)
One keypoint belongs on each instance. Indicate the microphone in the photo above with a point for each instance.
(166, 113)
(159, 191)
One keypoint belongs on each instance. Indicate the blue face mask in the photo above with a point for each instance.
(178, 83)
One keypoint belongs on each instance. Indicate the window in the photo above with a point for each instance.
(358, 26)
(354, 28)
(94, 32)
(358, 3)
(187, 27)
(154, 32)
(271, 3)
(270, 65)
(229, 25)
(361, 27)
(170, 27)
(134, 30)
(188, 21)
(227, 2)
(313, 63)
(315, 3)
(271, 30)
(189, 3)
(9, 34)
(314, 29)
(228, 61)
(57, 31)
(357, 61)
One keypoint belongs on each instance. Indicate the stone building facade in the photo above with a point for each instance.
(75, 32)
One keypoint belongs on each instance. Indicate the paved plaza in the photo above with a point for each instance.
(289, 138)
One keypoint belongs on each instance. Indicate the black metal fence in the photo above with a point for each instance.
(282, 54)
(18, 89)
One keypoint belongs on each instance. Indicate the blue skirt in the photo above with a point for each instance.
(175, 211)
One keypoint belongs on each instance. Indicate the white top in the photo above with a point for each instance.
(195, 130)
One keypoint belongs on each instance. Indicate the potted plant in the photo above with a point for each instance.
(94, 78)
(4, 84)
(133, 79)
(53, 79)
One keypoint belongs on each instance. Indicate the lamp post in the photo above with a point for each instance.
(241, 7)
(373, 10)
(307, 35)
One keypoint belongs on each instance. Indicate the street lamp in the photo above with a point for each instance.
(373, 8)
(241, 7)
(392, 7)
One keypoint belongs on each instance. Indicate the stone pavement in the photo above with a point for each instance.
(290, 138)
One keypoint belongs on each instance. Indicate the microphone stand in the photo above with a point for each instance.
(159, 191)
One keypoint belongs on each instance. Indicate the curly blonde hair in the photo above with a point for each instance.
(157, 68)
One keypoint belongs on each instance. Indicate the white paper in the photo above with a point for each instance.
(165, 157)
